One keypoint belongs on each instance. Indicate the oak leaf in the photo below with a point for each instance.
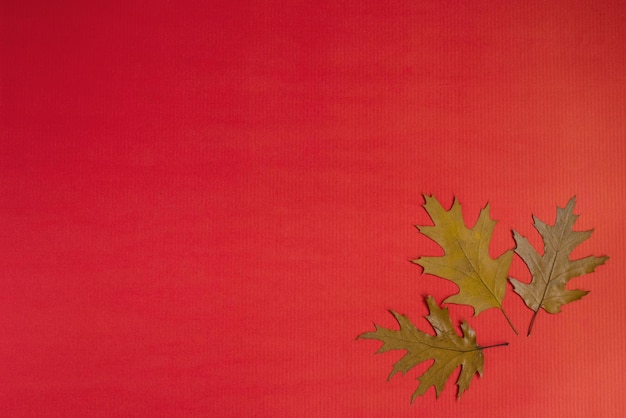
(481, 280)
(551, 271)
(446, 347)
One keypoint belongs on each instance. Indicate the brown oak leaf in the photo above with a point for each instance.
(446, 347)
(551, 271)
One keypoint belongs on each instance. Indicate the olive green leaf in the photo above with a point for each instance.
(481, 280)
(446, 347)
(551, 271)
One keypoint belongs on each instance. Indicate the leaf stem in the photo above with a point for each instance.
(492, 346)
(509, 321)
(532, 322)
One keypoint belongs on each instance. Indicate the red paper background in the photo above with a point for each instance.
(204, 203)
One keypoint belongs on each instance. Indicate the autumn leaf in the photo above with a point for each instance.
(446, 347)
(481, 280)
(551, 271)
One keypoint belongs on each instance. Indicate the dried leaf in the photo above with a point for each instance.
(447, 348)
(551, 271)
(481, 280)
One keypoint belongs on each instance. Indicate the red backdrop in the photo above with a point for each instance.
(204, 203)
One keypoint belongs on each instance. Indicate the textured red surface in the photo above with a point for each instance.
(204, 203)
